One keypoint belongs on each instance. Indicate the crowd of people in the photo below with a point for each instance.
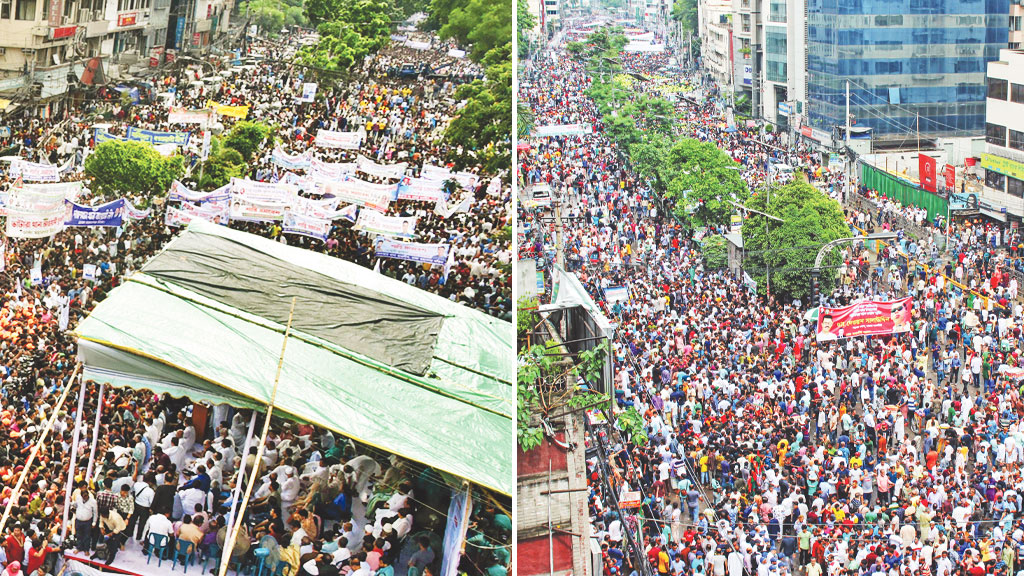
(766, 451)
(166, 471)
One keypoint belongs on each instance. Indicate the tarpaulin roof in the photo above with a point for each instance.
(205, 319)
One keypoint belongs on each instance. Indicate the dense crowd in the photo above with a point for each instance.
(164, 471)
(768, 452)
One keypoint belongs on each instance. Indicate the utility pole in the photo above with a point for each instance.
(846, 187)
(559, 236)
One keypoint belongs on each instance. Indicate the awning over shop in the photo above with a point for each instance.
(369, 357)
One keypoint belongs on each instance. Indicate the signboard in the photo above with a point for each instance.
(950, 172)
(630, 500)
(1003, 166)
(867, 318)
(131, 19)
(748, 74)
(62, 32)
(785, 109)
(55, 14)
(926, 168)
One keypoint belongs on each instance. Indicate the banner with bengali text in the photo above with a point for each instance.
(867, 318)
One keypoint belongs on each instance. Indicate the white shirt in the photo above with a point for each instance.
(158, 524)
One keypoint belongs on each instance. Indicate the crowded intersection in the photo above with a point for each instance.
(769, 444)
(113, 477)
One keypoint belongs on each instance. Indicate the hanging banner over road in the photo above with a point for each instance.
(868, 318)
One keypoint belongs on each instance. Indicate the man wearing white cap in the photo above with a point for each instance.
(289, 491)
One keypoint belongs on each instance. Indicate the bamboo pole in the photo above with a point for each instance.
(229, 544)
(35, 449)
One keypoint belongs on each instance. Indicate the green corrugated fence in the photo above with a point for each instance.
(905, 192)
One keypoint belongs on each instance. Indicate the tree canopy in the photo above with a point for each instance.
(812, 219)
(248, 137)
(349, 30)
(123, 168)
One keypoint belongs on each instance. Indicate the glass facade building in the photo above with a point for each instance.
(907, 61)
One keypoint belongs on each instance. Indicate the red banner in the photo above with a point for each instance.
(62, 32)
(127, 19)
(868, 318)
(926, 166)
(950, 172)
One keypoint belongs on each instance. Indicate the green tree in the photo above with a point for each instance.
(223, 164)
(685, 11)
(320, 11)
(249, 137)
(124, 168)
(705, 180)
(267, 15)
(525, 120)
(525, 23)
(811, 220)
(715, 251)
(482, 24)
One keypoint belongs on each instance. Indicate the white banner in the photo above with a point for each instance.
(417, 45)
(135, 213)
(23, 223)
(305, 226)
(562, 130)
(321, 209)
(374, 222)
(331, 139)
(34, 172)
(436, 254)
(355, 191)
(179, 115)
(421, 190)
(467, 180)
(459, 511)
(367, 166)
(43, 196)
(321, 170)
(216, 212)
(445, 211)
(308, 92)
(179, 192)
(263, 192)
(175, 218)
(291, 161)
(243, 209)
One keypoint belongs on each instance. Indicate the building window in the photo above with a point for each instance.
(25, 10)
(997, 88)
(1016, 140)
(5, 9)
(1015, 22)
(995, 134)
(995, 180)
(1017, 93)
(1015, 187)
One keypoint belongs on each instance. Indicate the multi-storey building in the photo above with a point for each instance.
(714, 19)
(1003, 161)
(916, 68)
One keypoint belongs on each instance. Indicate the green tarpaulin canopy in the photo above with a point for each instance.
(371, 358)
